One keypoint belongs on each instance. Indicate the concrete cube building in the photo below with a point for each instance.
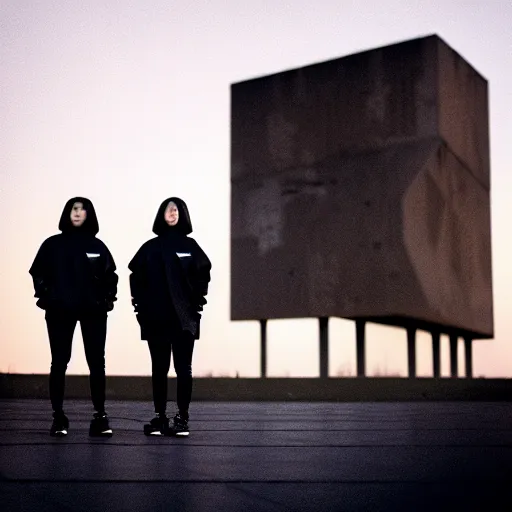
(361, 190)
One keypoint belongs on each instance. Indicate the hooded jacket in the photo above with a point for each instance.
(170, 276)
(74, 270)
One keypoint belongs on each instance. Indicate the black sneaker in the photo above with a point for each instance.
(60, 425)
(158, 426)
(100, 426)
(180, 426)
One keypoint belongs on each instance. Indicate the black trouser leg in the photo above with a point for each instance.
(94, 334)
(182, 350)
(160, 350)
(61, 327)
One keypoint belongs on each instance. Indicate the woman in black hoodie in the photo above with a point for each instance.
(169, 283)
(75, 280)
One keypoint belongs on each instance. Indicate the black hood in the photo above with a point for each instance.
(90, 224)
(184, 225)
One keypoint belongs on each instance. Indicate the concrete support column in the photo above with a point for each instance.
(360, 347)
(411, 352)
(468, 351)
(263, 348)
(324, 346)
(454, 366)
(436, 353)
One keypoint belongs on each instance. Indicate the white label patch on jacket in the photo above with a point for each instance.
(183, 254)
(92, 255)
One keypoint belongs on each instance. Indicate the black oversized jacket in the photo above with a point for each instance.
(170, 277)
(74, 270)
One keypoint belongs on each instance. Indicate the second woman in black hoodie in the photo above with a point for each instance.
(169, 283)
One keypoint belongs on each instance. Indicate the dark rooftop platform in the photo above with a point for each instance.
(267, 456)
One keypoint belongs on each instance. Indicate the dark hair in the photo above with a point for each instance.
(90, 224)
(184, 225)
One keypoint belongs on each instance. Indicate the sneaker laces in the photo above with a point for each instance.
(180, 419)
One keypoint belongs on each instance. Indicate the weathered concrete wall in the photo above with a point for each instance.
(348, 199)
(273, 389)
(463, 112)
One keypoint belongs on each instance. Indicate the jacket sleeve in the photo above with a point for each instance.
(136, 277)
(111, 280)
(41, 272)
(202, 276)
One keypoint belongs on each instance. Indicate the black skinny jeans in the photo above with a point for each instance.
(61, 327)
(181, 346)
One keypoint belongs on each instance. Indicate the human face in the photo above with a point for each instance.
(78, 215)
(171, 214)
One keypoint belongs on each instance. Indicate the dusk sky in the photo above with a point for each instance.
(127, 102)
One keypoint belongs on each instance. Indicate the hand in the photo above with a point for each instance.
(42, 303)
